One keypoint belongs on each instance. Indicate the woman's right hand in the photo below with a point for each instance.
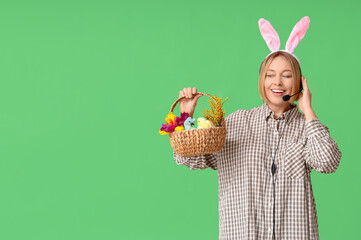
(188, 104)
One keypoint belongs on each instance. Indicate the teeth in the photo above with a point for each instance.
(277, 91)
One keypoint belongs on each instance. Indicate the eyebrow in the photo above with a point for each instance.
(274, 70)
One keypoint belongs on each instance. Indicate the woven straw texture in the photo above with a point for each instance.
(187, 143)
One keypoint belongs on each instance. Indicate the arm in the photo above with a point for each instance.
(321, 151)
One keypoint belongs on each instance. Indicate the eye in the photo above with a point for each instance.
(270, 75)
(287, 76)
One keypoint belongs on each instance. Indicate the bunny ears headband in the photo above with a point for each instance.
(272, 39)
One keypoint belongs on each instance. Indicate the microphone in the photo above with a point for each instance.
(287, 97)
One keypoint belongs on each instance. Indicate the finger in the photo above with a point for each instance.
(195, 94)
(194, 90)
(184, 92)
(304, 83)
(189, 92)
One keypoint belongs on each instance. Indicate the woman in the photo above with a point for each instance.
(265, 189)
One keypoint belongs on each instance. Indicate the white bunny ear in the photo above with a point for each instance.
(297, 34)
(269, 34)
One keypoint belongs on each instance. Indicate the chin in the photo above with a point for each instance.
(278, 101)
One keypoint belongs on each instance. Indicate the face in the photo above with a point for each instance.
(278, 77)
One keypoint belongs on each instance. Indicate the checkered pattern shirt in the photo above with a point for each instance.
(245, 190)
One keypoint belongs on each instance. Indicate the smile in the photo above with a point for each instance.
(278, 92)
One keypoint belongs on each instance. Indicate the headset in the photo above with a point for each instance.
(287, 97)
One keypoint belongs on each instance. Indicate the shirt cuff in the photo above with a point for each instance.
(314, 127)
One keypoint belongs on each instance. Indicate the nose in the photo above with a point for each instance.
(277, 80)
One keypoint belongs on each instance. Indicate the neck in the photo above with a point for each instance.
(278, 109)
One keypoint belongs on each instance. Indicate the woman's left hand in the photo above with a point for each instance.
(305, 101)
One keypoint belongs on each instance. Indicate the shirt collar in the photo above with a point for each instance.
(289, 115)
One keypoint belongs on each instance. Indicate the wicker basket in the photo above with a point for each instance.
(193, 142)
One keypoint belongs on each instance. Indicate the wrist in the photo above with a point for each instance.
(310, 114)
(307, 110)
(190, 114)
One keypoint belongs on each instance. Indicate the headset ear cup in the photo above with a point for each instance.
(301, 87)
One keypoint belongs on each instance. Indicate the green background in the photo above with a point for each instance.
(86, 85)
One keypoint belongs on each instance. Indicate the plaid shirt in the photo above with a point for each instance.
(245, 191)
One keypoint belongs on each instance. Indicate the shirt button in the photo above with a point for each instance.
(270, 204)
(269, 229)
(275, 132)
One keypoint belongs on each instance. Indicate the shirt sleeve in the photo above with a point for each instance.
(197, 162)
(321, 151)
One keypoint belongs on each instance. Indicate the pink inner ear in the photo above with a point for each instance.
(269, 34)
(297, 34)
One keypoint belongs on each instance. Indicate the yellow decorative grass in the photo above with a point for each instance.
(216, 114)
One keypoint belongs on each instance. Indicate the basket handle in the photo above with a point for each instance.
(198, 93)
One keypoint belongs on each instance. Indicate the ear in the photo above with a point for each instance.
(269, 34)
(297, 34)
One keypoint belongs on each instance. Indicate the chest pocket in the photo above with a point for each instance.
(293, 161)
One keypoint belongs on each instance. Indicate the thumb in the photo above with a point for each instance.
(197, 97)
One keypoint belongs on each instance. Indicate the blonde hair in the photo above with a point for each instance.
(296, 74)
